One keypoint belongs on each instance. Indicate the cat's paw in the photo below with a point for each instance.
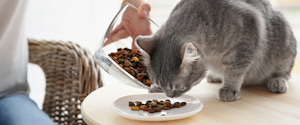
(156, 89)
(278, 85)
(212, 79)
(229, 94)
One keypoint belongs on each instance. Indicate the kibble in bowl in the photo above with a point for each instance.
(102, 58)
(131, 62)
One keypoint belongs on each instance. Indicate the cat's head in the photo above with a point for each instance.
(173, 66)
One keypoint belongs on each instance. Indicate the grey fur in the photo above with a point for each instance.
(240, 42)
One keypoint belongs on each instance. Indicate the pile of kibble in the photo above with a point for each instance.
(155, 105)
(130, 61)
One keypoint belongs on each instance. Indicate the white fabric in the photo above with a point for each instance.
(13, 48)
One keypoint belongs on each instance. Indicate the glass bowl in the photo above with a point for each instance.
(107, 64)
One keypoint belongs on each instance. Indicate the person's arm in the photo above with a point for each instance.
(134, 23)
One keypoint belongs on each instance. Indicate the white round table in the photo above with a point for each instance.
(256, 106)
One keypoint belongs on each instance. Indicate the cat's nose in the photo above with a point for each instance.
(171, 94)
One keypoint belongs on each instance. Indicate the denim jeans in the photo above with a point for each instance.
(21, 110)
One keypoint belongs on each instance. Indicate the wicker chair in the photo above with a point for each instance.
(71, 74)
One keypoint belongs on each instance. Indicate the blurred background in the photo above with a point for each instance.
(85, 22)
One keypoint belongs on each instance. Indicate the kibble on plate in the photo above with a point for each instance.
(135, 108)
(155, 106)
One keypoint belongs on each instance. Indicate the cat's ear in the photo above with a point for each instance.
(189, 54)
(145, 43)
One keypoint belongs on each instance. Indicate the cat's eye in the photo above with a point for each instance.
(181, 89)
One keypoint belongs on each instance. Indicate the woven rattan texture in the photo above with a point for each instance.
(71, 74)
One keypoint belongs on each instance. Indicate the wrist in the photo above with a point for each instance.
(135, 3)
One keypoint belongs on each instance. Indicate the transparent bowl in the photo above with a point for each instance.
(107, 64)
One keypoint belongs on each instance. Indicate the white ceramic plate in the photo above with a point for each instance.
(193, 106)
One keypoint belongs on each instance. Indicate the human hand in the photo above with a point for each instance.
(134, 22)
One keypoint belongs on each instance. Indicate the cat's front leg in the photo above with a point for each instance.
(237, 64)
(230, 91)
(231, 87)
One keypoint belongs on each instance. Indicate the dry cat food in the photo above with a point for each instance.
(130, 61)
(155, 105)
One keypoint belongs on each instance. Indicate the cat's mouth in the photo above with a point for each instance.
(174, 93)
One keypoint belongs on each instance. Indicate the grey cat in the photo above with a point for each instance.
(236, 42)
